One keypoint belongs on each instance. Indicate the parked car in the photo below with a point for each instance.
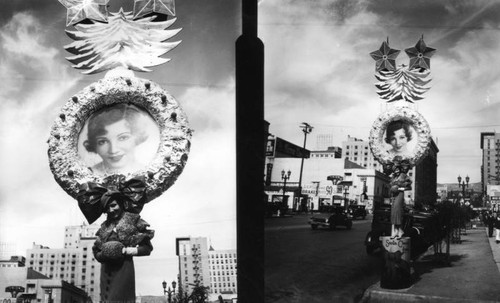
(357, 211)
(416, 225)
(331, 217)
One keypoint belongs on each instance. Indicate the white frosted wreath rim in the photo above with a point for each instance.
(416, 121)
(175, 135)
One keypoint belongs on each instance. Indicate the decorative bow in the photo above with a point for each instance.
(403, 165)
(94, 197)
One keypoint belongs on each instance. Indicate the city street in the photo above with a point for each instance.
(305, 265)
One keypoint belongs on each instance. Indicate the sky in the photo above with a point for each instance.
(318, 70)
(37, 81)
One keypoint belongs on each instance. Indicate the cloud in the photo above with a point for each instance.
(30, 95)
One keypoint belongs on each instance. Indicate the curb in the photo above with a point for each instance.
(375, 294)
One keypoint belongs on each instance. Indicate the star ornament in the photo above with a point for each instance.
(79, 10)
(385, 57)
(145, 7)
(420, 55)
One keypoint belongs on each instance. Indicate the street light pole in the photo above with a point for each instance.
(169, 291)
(306, 129)
(285, 177)
(346, 192)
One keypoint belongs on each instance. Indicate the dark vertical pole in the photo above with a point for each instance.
(250, 150)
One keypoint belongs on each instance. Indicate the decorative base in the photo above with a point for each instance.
(397, 269)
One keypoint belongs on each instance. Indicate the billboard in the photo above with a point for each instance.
(280, 148)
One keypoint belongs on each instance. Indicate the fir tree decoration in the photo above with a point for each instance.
(406, 82)
(122, 42)
(402, 84)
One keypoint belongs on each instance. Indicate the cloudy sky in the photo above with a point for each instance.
(318, 70)
(37, 81)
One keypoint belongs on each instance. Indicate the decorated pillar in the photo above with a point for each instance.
(123, 140)
(399, 139)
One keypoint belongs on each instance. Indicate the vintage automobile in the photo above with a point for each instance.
(416, 224)
(331, 217)
(357, 211)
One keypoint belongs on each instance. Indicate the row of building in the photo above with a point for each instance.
(72, 274)
(333, 174)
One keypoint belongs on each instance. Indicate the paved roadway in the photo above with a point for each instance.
(305, 265)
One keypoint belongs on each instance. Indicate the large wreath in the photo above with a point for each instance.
(406, 115)
(73, 174)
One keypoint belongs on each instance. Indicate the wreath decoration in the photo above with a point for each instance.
(415, 120)
(73, 175)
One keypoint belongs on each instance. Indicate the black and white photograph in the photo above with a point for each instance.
(413, 226)
(223, 151)
(118, 177)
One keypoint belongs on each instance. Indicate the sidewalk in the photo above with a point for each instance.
(474, 275)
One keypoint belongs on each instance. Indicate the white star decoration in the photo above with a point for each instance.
(144, 7)
(79, 10)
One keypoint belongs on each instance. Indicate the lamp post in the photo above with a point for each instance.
(285, 176)
(463, 184)
(346, 192)
(306, 129)
(169, 291)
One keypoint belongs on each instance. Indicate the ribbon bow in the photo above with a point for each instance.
(94, 197)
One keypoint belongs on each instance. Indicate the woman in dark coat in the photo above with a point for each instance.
(122, 236)
(399, 183)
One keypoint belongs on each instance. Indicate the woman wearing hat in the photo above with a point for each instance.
(121, 237)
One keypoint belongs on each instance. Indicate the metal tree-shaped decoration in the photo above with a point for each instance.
(406, 83)
(134, 44)
(132, 40)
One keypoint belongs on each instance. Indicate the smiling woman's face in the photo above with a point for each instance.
(116, 147)
(398, 140)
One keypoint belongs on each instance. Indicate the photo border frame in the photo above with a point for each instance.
(416, 121)
(175, 135)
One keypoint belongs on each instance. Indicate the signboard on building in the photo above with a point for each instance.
(284, 149)
(493, 191)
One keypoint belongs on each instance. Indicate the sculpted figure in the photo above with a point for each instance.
(121, 237)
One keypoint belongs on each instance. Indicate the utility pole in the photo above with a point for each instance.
(306, 128)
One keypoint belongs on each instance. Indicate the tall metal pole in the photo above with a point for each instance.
(251, 137)
(306, 128)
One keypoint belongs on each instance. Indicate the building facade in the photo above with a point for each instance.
(358, 151)
(34, 287)
(74, 264)
(424, 178)
(490, 165)
(202, 265)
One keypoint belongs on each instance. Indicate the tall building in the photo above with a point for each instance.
(490, 166)
(222, 271)
(323, 141)
(74, 264)
(7, 250)
(358, 151)
(204, 266)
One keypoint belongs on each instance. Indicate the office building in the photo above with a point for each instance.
(201, 265)
(490, 166)
(74, 264)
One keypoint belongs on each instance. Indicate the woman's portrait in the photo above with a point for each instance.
(118, 139)
(399, 136)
